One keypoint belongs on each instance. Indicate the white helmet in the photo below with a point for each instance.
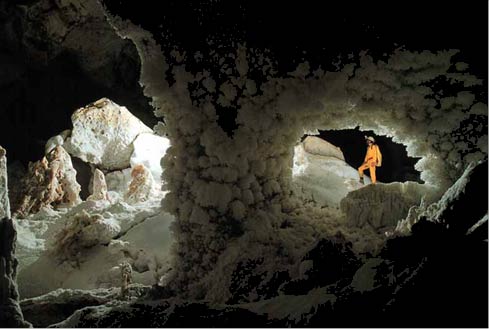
(370, 138)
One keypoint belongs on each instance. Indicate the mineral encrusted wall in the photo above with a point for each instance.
(10, 312)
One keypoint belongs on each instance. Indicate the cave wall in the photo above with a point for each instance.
(10, 312)
(231, 193)
(55, 57)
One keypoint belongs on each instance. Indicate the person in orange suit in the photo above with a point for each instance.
(373, 159)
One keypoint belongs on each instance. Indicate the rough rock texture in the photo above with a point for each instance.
(328, 261)
(319, 146)
(149, 149)
(103, 133)
(16, 172)
(56, 140)
(55, 56)
(50, 181)
(324, 179)
(331, 283)
(142, 185)
(99, 186)
(383, 205)
(119, 180)
(58, 305)
(10, 313)
(83, 232)
(4, 196)
(460, 208)
(138, 233)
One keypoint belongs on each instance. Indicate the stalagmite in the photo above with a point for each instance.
(99, 186)
(141, 186)
(50, 181)
(4, 200)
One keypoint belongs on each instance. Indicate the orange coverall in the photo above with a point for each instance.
(372, 159)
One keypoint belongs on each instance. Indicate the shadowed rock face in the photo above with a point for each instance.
(10, 313)
(56, 56)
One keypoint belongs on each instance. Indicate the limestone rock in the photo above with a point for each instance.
(103, 133)
(141, 186)
(50, 181)
(119, 180)
(84, 231)
(59, 304)
(318, 146)
(148, 150)
(460, 208)
(10, 312)
(324, 179)
(383, 205)
(4, 199)
(56, 140)
(99, 186)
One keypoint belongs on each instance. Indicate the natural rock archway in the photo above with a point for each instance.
(232, 192)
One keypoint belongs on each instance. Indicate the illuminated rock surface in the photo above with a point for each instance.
(141, 186)
(103, 133)
(99, 186)
(318, 146)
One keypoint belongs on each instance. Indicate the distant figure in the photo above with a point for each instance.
(373, 159)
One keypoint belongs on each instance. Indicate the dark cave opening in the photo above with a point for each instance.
(397, 166)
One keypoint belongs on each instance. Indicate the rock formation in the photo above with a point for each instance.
(50, 181)
(319, 146)
(83, 232)
(10, 312)
(103, 133)
(99, 186)
(383, 205)
(461, 208)
(141, 186)
(4, 198)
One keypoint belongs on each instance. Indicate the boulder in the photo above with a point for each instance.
(318, 146)
(82, 233)
(103, 134)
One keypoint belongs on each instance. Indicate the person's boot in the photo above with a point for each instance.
(361, 180)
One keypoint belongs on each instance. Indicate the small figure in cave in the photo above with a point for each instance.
(126, 278)
(373, 159)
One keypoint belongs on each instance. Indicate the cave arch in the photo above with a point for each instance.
(218, 182)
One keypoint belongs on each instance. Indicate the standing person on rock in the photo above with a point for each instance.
(373, 159)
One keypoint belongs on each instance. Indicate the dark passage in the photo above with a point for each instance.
(397, 166)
